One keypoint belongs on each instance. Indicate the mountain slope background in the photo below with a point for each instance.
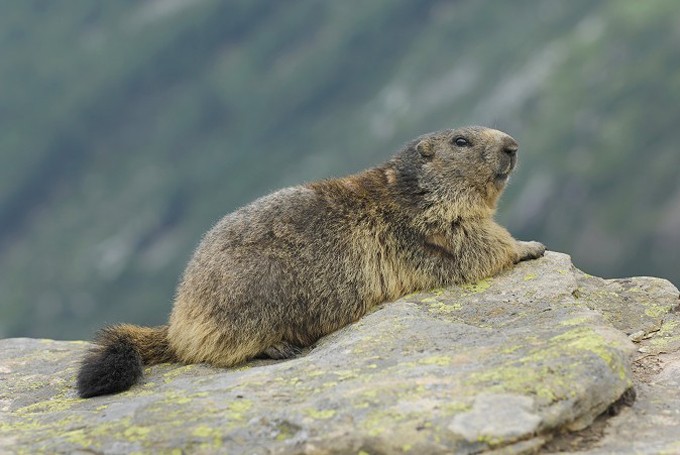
(128, 128)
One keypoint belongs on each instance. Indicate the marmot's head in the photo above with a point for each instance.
(465, 165)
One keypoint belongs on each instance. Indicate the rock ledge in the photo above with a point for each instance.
(543, 356)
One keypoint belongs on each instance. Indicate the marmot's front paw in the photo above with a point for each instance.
(530, 250)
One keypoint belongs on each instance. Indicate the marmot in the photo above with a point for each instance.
(293, 266)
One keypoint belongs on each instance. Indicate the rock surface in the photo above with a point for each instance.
(541, 358)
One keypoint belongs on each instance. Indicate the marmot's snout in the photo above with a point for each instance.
(509, 148)
(506, 156)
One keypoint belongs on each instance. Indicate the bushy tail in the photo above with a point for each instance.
(115, 363)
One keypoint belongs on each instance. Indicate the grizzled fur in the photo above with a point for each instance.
(298, 264)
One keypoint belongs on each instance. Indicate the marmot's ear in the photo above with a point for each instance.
(425, 148)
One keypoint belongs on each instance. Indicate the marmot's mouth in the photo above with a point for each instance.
(500, 179)
(504, 174)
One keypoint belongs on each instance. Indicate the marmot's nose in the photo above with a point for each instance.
(510, 146)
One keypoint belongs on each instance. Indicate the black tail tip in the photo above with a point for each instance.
(109, 369)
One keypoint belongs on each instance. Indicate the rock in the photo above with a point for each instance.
(503, 416)
(540, 356)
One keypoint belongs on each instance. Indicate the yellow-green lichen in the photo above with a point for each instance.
(370, 393)
(241, 405)
(655, 310)
(444, 308)
(576, 321)
(329, 384)
(476, 288)
(314, 374)
(552, 383)
(70, 429)
(668, 334)
(52, 405)
(136, 433)
(586, 339)
(236, 409)
(510, 349)
(346, 374)
(439, 360)
(454, 407)
(204, 431)
(529, 277)
(178, 371)
(520, 379)
(382, 420)
(209, 447)
(321, 414)
(175, 397)
(61, 401)
(78, 437)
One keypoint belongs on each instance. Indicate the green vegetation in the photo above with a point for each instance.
(128, 128)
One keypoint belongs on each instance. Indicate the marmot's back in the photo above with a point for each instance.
(281, 268)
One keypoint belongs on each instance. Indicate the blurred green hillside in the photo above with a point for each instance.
(128, 128)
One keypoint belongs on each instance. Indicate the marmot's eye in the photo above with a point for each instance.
(461, 142)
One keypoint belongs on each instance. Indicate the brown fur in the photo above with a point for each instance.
(305, 261)
(151, 342)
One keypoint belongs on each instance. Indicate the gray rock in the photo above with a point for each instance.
(537, 357)
(497, 417)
